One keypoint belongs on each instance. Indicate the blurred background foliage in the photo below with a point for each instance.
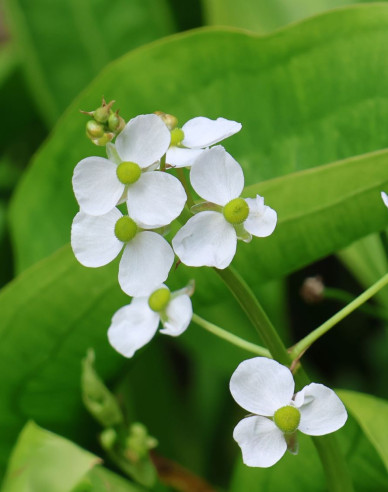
(312, 98)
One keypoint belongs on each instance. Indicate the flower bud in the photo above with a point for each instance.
(96, 397)
(101, 114)
(170, 120)
(101, 141)
(94, 129)
(116, 123)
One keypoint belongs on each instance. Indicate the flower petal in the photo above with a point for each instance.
(156, 199)
(144, 140)
(132, 327)
(145, 263)
(202, 132)
(206, 239)
(384, 197)
(93, 240)
(96, 186)
(322, 412)
(261, 442)
(179, 312)
(179, 157)
(216, 176)
(262, 386)
(262, 219)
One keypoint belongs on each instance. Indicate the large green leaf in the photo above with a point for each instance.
(262, 16)
(371, 414)
(308, 95)
(64, 44)
(46, 462)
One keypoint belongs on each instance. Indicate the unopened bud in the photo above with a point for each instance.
(116, 123)
(101, 114)
(139, 442)
(94, 129)
(312, 290)
(107, 137)
(108, 438)
(170, 120)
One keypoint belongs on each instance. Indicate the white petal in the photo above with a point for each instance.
(261, 442)
(93, 240)
(145, 264)
(156, 199)
(384, 197)
(179, 312)
(96, 186)
(179, 157)
(216, 176)
(206, 239)
(202, 132)
(132, 327)
(144, 140)
(262, 219)
(262, 385)
(322, 412)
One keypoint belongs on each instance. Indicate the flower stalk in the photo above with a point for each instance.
(312, 337)
(230, 337)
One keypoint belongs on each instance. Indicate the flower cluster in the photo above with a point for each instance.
(128, 199)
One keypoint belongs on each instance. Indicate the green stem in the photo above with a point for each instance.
(307, 341)
(163, 163)
(255, 313)
(182, 178)
(345, 297)
(229, 337)
(333, 462)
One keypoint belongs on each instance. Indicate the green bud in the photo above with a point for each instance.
(287, 419)
(101, 114)
(94, 129)
(139, 442)
(116, 123)
(106, 138)
(128, 172)
(125, 229)
(177, 136)
(236, 211)
(96, 397)
(108, 438)
(159, 299)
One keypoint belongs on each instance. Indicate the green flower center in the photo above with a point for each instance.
(287, 419)
(128, 172)
(177, 136)
(236, 211)
(125, 229)
(159, 299)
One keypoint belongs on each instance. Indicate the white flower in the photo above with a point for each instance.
(147, 256)
(100, 184)
(266, 388)
(135, 325)
(384, 197)
(210, 237)
(188, 142)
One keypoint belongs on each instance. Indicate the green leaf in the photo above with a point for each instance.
(272, 89)
(46, 462)
(371, 414)
(64, 44)
(262, 16)
(100, 479)
(44, 341)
